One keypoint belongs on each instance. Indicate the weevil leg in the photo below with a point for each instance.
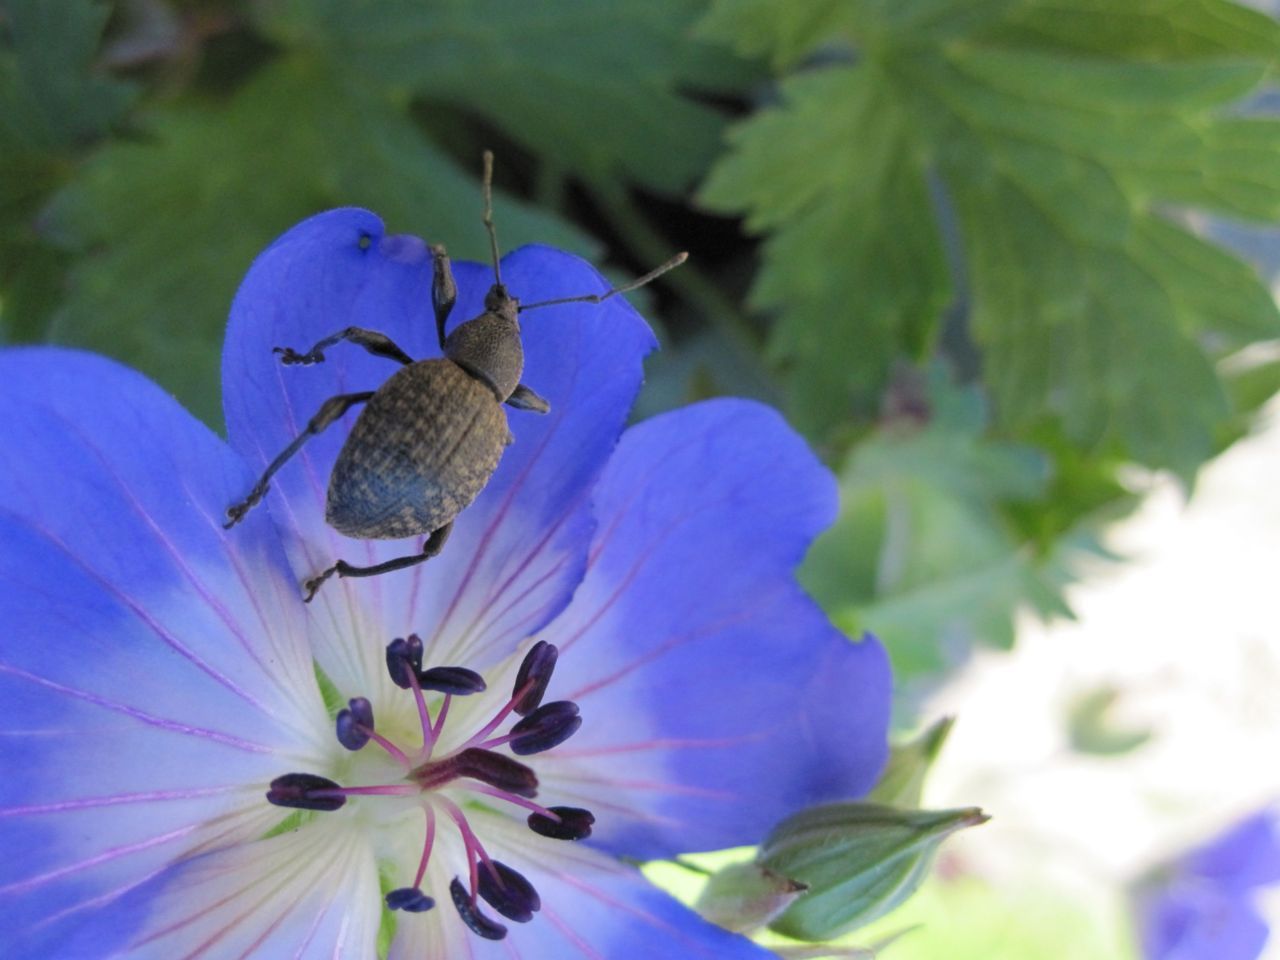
(434, 544)
(330, 410)
(522, 398)
(379, 344)
(444, 292)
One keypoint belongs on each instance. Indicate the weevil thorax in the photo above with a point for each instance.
(488, 347)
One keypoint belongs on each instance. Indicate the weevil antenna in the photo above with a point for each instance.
(488, 214)
(671, 264)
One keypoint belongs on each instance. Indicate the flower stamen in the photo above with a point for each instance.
(476, 921)
(412, 899)
(567, 823)
(474, 766)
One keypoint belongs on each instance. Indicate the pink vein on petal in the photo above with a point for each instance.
(90, 803)
(113, 894)
(620, 588)
(315, 926)
(552, 528)
(649, 786)
(639, 485)
(613, 902)
(226, 928)
(179, 561)
(518, 628)
(670, 644)
(137, 714)
(136, 608)
(105, 857)
(571, 935)
(133, 884)
(641, 746)
(491, 531)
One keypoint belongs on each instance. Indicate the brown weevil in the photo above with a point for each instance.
(428, 440)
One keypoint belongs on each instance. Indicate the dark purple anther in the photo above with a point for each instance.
(404, 660)
(480, 925)
(574, 823)
(301, 790)
(456, 680)
(355, 723)
(537, 666)
(496, 770)
(548, 726)
(410, 900)
(509, 892)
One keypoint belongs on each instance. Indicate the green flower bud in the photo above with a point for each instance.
(858, 860)
(903, 779)
(746, 896)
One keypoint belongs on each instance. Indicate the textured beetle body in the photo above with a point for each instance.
(430, 438)
(422, 449)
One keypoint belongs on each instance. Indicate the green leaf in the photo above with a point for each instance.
(1253, 378)
(1144, 29)
(31, 283)
(922, 553)
(854, 267)
(594, 83)
(54, 103)
(1084, 494)
(51, 95)
(782, 32)
(174, 220)
(1054, 133)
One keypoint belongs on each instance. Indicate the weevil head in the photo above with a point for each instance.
(499, 301)
(488, 347)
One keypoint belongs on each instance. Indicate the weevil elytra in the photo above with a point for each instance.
(428, 439)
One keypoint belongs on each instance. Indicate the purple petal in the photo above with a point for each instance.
(516, 554)
(153, 669)
(1244, 857)
(591, 906)
(719, 698)
(1196, 921)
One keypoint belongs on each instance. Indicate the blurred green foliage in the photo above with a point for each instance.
(962, 262)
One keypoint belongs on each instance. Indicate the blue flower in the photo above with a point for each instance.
(1202, 906)
(161, 676)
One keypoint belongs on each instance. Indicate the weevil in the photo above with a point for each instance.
(429, 439)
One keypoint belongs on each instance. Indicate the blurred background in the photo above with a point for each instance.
(1008, 265)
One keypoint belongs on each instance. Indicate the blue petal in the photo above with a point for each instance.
(517, 553)
(1244, 857)
(153, 674)
(1189, 921)
(716, 696)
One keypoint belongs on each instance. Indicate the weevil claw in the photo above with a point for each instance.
(289, 356)
(313, 585)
